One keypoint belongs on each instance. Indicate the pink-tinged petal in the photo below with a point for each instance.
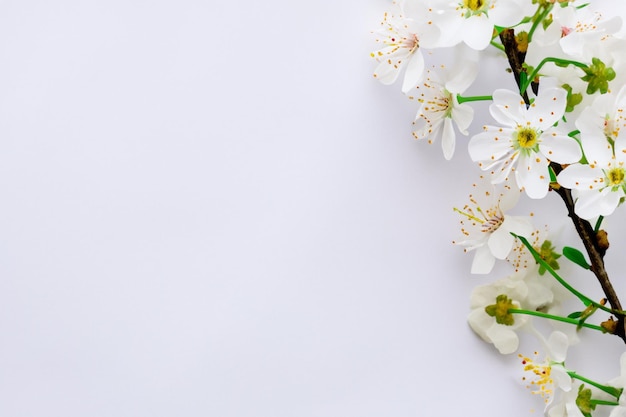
(581, 177)
(414, 71)
(591, 204)
(508, 108)
(501, 242)
(477, 32)
(532, 175)
(463, 114)
(559, 148)
(490, 145)
(503, 338)
(547, 108)
(483, 261)
(448, 139)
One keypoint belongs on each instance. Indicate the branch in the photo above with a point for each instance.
(588, 236)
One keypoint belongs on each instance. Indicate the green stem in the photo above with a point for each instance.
(462, 99)
(603, 402)
(558, 61)
(615, 392)
(557, 318)
(538, 19)
(582, 297)
(598, 224)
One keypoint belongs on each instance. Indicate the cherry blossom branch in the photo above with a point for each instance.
(594, 248)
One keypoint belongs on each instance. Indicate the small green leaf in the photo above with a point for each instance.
(575, 315)
(575, 256)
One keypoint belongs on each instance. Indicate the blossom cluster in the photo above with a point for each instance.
(560, 126)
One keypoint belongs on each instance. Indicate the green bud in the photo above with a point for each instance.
(573, 99)
(500, 310)
(597, 76)
(548, 254)
(583, 400)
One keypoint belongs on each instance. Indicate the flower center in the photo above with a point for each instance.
(526, 139)
(615, 177)
(474, 5)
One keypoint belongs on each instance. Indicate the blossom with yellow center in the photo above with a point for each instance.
(601, 182)
(527, 141)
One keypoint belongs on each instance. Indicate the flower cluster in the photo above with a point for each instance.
(558, 129)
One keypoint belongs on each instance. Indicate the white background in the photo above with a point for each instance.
(212, 209)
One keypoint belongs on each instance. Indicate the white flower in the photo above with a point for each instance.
(527, 139)
(601, 183)
(503, 337)
(439, 106)
(403, 38)
(472, 21)
(582, 27)
(549, 375)
(486, 229)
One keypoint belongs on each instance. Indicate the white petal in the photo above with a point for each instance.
(503, 338)
(500, 243)
(521, 226)
(591, 204)
(558, 344)
(561, 378)
(480, 321)
(448, 139)
(477, 32)
(508, 108)
(414, 71)
(560, 148)
(387, 73)
(580, 177)
(506, 13)
(490, 145)
(463, 114)
(483, 261)
(532, 175)
(547, 108)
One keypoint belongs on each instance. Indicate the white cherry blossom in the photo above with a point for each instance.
(473, 21)
(550, 375)
(503, 337)
(402, 37)
(601, 183)
(487, 229)
(439, 106)
(527, 141)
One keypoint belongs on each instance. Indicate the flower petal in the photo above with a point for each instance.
(532, 175)
(559, 148)
(448, 139)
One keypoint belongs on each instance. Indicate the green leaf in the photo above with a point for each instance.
(576, 256)
(575, 315)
